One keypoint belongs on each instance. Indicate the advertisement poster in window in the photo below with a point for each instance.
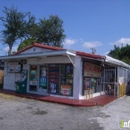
(93, 83)
(53, 87)
(87, 83)
(121, 80)
(66, 90)
(33, 77)
(92, 70)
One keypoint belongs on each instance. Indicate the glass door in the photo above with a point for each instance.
(33, 77)
(43, 78)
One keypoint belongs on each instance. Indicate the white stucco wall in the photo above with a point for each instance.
(34, 50)
(44, 60)
(77, 85)
(9, 79)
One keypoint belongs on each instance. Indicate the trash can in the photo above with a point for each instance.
(20, 87)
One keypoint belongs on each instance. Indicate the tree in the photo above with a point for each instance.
(122, 54)
(17, 26)
(50, 31)
(116, 52)
(25, 43)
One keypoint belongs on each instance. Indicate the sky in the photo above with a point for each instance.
(98, 24)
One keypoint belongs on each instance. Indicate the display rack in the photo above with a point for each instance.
(53, 78)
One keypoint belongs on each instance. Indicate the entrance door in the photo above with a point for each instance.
(99, 87)
(43, 78)
(33, 78)
(110, 78)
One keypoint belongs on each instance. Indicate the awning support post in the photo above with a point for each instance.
(20, 61)
(71, 60)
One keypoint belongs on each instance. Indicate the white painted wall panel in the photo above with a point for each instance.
(50, 60)
(77, 85)
(9, 79)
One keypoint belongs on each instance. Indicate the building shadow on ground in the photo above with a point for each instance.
(128, 94)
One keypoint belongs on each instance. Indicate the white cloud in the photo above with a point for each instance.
(92, 44)
(68, 42)
(121, 41)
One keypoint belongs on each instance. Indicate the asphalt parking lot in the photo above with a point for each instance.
(26, 114)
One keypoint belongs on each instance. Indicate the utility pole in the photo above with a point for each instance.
(93, 50)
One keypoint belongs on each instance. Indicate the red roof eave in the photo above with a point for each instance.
(89, 55)
(83, 54)
(40, 46)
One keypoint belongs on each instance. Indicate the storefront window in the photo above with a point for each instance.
(66, 79)
(53, 78)
(43, 80)
(33, 78)
(91, 76)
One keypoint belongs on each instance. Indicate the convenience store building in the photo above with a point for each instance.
(55, 71)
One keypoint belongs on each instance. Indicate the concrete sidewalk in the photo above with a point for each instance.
(97, 101)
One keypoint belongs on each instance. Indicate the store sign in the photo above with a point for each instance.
(66, 89)
(14, 67)
(92, 70)
(33, 83)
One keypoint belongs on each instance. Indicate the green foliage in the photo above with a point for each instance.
(19, 25)
(115, 53)
(15, 24)
(122, 54)
(25, 43)
(50, 31)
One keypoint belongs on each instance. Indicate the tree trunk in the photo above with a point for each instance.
(10, 49)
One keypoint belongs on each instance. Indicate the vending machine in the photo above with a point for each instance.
(21, 81)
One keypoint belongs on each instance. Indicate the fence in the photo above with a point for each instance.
(114, 89)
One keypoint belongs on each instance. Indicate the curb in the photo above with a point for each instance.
(92, 104)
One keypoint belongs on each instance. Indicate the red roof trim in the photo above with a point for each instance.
(83, 54)
(47, 46)
(89, 55)
(23, 49)
(40, 46)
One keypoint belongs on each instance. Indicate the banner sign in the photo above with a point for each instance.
(92, 70)
(14, 67)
